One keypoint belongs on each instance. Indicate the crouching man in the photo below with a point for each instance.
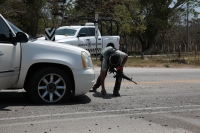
(110, 58)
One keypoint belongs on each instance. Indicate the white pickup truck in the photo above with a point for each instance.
(84, 37)
(50, 72)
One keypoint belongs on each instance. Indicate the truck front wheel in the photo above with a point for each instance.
(49, 85)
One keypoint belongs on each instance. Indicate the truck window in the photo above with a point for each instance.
(15, 29)
(92, 31)
(5, 33)
(84, 30)
(69, 32)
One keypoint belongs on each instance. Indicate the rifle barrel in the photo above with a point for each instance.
(130, 79)
(121, 74)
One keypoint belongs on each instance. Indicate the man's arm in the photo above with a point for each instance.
(124, 60)
(123, 63)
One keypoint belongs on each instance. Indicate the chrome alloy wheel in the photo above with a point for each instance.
(51, 88)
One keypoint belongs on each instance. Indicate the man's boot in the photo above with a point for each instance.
(96, 85)
(94, 88)
(117, 84)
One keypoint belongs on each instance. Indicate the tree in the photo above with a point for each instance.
(86, 8)
(10, 8)
(156, 14)
(33, 15)
(70, 14)
(24, 13)
(125, 13)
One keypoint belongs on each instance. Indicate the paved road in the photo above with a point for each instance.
(165, 100)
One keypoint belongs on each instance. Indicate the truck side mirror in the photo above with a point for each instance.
(22, 37)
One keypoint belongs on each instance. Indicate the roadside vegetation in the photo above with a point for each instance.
(148, 26)
(190, 60)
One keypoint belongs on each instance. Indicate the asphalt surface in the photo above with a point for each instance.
(165, 100)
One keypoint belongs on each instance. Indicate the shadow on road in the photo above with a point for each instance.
(107, 96)
(21, 99)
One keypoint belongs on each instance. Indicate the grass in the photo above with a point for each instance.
(172, 61)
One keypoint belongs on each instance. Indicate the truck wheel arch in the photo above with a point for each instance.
(33, 68)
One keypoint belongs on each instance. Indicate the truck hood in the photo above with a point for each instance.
(58, 37)
(45, 45)
(42, 51)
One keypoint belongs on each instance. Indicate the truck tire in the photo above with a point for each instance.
(49, 85)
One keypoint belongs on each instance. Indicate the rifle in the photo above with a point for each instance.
(121, 74)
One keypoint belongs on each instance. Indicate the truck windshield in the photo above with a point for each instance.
(69, 32)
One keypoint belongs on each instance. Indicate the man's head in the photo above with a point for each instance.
(114, 60)
(112, 45)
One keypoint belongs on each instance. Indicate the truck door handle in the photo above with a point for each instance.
(99, 39)
(1, 53)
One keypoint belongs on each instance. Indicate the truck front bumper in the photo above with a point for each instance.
(84, 79)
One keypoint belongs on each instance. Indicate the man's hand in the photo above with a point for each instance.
(120, 68)
(111, 70)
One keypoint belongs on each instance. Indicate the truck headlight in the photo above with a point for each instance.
(86, 60)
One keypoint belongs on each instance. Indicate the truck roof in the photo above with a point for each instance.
(74, 27)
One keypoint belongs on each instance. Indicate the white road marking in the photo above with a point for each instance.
(93, 117)
(111, 111)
